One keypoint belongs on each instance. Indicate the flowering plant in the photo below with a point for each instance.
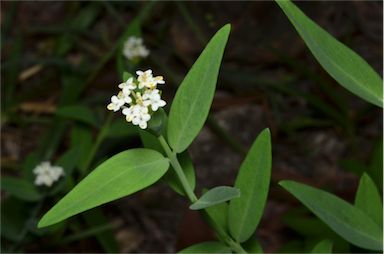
(46, 174)
(234, 212)
(142, 96)
(134, 48)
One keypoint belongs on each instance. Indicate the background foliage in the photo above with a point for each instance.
(60, 67)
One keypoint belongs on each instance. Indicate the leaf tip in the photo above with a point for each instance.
(284, 183)
(46, 220)
(226, 29)
(42, 223)
(266, 131)
(193, 207)
(365, 175)
(227, 26)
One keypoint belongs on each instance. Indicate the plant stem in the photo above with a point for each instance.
(103, 131)
(178, 169)
(235, 246)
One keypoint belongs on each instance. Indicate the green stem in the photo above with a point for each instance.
(235, 246)
(103, 131)
(178, 169)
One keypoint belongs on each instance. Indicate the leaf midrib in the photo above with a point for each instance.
(85, 197)
(216, 202)
(193, 104)
(301, 30)
(350, 227)
(248, 201)
(312, 207)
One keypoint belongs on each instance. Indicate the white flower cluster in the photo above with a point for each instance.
(46, 174)
(141, 95)
(134, 48)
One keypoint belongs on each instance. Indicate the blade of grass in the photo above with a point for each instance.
(88, 233)
(107, 56)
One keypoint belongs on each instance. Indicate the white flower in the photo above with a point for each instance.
(152, 98)
(46, 174)
(125, 96)
(134, 48)
(156, 81)
(146, 79)
(141, 96)
(128, 86)
(116, 103)
(138, 115)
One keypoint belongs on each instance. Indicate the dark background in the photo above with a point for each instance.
(268, 78)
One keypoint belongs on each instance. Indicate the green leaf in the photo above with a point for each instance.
(219, 214)
(81, 137)
(252, 245)
(253, 181)
(325, 246)
(68, 162)
(72, 87)
(355, 166)
(194, 97)
(304, 225)
(345, 66)
(78, 112)
(313, 229)
(30, 162)
(127, 75)
(51, 140)
(368, 199)
(119, 176)
(375, 169)
(69, 159)
(207, 247)
(215, 196)
(293, 246)
(20, 188)
(121, 128)
(157, 123)
(82, 20)
(150, 141)
(14, 214)
(346, 220)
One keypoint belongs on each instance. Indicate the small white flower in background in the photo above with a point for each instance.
(139, 98)
(134, 48)
(46, 174)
